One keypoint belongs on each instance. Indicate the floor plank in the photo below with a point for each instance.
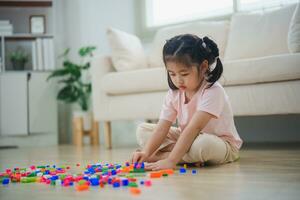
(271, 173)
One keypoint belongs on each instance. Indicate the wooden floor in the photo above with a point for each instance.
(272, 173)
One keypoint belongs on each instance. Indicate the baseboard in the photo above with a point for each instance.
(271, 145)
(33, 140)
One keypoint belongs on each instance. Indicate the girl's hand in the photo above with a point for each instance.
(139, 156)
(161, 164)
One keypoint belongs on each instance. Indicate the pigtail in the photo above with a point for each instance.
(212, 57)
(214, 75)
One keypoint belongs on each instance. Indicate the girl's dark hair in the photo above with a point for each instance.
(191, 50)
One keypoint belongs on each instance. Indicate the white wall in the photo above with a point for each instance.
(84, 22)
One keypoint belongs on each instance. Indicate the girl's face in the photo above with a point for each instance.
(186, 78)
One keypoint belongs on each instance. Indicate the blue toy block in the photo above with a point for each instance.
(113, 172)
(5, 181)
(116, 184)
(125, 182)
(94, 181)
(182, 170)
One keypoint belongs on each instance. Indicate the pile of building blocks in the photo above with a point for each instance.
(93, 175)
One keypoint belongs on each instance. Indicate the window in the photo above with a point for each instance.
(250, 5)
(162, 12)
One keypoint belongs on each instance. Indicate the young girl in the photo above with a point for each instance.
(206, 130)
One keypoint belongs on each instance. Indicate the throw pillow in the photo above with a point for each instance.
(294, 32)
(126, 50)
(259, 34)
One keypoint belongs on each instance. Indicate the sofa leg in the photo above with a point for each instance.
(107, 134)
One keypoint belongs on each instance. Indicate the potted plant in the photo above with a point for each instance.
(74, 88)
(18, 59)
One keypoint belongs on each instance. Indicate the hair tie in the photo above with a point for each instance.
(204, 45)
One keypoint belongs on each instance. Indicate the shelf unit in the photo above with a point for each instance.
(28, 104)
(18, 12)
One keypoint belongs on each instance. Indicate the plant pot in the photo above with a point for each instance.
(18, 65)
(86, 118)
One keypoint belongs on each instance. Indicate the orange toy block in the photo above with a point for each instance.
(167, 171)
(82, 187)
(127, 169)
(134, 190)
(156, 174)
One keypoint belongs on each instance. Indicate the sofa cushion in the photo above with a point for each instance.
(238, 72)
(262, 70)
(294, 31)
(126, 50)
(259, 34)
(216, 30)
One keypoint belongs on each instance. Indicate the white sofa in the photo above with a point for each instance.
(261, 68)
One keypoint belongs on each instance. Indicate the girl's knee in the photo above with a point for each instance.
(203, 142)
(143, 132)
(144, 128)
(207, 147)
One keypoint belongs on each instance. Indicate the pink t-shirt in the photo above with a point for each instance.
(212, 100)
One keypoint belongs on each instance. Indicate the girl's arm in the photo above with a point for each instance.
(158, 137)
(197, 123)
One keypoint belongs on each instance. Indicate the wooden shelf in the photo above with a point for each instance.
(26, 3)
(26, 71)
(26, 36)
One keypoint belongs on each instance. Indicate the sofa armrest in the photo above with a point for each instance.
(100, 66)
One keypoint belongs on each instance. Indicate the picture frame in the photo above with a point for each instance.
(37, 24)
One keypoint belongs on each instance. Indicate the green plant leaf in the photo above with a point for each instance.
(86, 66)
(69, 94)
(73, 90)
(73, 69)
(58, 73)
(69, 64)
(68, 81)
(89, 88)
(83, 103)
(19, 55)
(84, 51)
